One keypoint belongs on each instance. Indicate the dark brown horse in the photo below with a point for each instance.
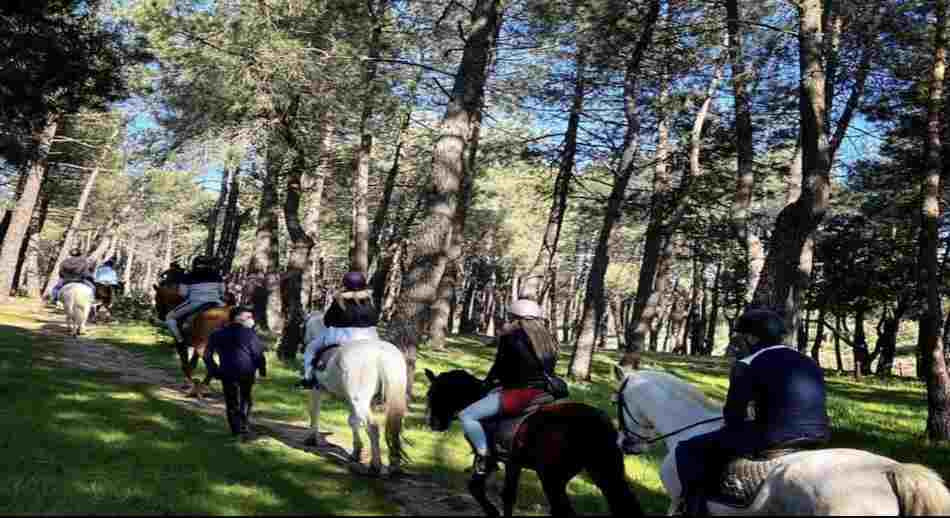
(558, 442)
(203, 324)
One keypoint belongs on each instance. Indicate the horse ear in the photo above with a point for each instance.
(619, 372)
(430, 375)
(155, 286)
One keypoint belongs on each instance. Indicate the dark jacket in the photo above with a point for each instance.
(346, 311)
(788, 390)
(75, 268)
(515, 364)
(240, 351)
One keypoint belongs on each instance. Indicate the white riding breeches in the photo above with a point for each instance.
(334, 335)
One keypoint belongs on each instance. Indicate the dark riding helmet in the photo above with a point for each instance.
(203, 262)
(354, 281)
(763, 323)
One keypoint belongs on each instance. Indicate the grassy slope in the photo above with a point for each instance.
(81, 447)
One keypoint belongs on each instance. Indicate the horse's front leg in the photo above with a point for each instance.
(476, 486)
(509, 494)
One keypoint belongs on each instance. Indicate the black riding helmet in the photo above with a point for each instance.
(203, 262)
(763, 323)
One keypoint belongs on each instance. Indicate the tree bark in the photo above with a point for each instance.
(28, 276)
(298, 262)
(787, 267)
(540, 278)
(593, 308)
(359, 261)
(819, 334)
(839, 365)
(230, 226)
(216, 211)
(434, 239)
(713, 313)
(23, 211)
(745, 152)
(264, 258)
(129, 264)
(929, 340)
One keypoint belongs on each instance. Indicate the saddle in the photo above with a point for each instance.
(741, 480)
(504, 434)
(318, 363)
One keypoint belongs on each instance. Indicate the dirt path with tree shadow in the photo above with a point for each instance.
(415, 494)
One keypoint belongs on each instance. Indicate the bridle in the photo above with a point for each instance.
(623, 411)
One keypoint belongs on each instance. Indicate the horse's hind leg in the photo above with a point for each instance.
(555, 488)
(315, 439)
(376, 462)
(356, 422)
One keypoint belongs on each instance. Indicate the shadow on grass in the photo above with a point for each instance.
(74, 441)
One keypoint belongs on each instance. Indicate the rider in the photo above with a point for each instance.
(351, 316)
(787, 389)
(523, 347)
(173, 275)
(105, 274)
(74, 268)
(199, 287)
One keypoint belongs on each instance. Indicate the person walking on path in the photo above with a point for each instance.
(241, 355)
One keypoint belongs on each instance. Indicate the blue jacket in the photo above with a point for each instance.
(788, 390)
(240, 351)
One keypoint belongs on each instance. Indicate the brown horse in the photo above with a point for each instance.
(557, 442)
(203, 324)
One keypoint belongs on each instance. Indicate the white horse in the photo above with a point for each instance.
(834, 481)
(78, 299)
(355, 371)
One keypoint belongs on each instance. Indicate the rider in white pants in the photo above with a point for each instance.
(203, 285)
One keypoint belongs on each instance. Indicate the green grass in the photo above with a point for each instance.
(79, 442)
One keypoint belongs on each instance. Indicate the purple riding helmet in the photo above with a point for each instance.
(354, 281)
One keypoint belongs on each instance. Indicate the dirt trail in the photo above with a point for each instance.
(415, 494)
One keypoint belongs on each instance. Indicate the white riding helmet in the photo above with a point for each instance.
(525, 308)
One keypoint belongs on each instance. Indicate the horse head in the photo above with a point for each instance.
(166, 298)
(448, 394)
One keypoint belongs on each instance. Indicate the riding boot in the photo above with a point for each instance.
(480, 466)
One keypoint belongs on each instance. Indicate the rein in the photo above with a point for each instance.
(623, 411)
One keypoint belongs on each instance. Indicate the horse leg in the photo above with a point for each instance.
(316, 439)
(376, 462)
(555, 488)
(356, 422)
(510, 494)
(182, 350)
(476, 486)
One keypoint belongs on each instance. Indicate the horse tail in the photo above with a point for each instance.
(605, 465)
(394, 379)
(920, 491)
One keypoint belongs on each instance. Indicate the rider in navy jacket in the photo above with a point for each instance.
(787, 390)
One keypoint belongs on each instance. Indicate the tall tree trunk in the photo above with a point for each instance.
(593, 308)
(230, 227)
(297, 264)
(28, 276)
(786, 273)
(169, 245)
(713, 313)
(359, 261)
(216, 211)
(314, 185)
(745, 153)
(264, 258)
(534, 285)
(23, 211)
(129, 264)
(929, 339)
(697, 312)
(839, 365)
(382, 211)
(449, 161)
(819, 334)
(860, 348)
